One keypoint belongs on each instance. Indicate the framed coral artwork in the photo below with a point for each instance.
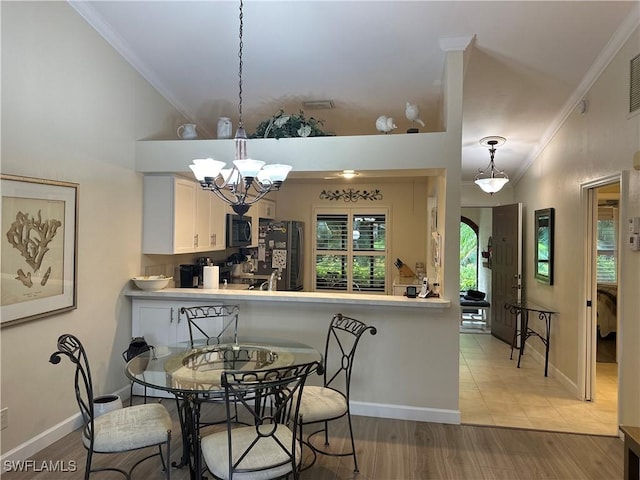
(39, 248)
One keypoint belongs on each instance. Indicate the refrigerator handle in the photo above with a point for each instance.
(300, 253)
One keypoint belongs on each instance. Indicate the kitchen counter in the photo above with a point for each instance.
(415, 339)
(239, 292)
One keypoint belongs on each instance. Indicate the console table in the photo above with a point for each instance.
(522, 310)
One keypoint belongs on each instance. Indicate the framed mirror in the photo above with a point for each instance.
(544, 231)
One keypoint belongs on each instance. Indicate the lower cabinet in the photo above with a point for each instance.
(160, 323)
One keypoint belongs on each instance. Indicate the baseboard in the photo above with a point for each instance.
(380, 410)
(553, 371)
(32, 446)
(405, 412)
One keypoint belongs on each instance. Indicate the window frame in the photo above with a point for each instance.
(476, 229)
(350, 253)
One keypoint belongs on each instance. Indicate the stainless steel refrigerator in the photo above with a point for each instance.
(280, 246)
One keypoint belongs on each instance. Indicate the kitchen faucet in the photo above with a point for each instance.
(272, 283)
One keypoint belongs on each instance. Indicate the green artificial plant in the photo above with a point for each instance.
(289, 125)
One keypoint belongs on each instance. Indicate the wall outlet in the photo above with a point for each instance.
(4, 418)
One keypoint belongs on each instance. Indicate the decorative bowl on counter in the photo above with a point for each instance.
(151, 282)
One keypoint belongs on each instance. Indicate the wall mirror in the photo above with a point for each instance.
(544, 245)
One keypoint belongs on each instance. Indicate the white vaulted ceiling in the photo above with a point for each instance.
(529, 63)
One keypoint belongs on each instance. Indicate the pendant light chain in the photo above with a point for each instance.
(240, 125)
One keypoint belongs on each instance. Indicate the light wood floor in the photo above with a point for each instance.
(403, 450)
(494, 392)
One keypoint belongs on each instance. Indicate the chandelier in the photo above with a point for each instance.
(248, 180)
(491, 180)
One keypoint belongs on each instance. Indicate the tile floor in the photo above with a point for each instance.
(494, 392)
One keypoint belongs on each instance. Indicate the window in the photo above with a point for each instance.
(350, 250)
(606, 263)
(468, 254)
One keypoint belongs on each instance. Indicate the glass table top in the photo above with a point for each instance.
(183, 369)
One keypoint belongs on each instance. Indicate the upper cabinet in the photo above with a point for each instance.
(218, 223)
(180, 217)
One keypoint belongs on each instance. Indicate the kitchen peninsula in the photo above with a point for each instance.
(240, 292)
(410, 335)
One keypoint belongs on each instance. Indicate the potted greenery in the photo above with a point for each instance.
(283, 125)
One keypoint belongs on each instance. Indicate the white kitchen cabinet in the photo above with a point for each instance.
(202, 232)
(168, 214)
(180, 217)
(211, 225)
(160, 323)
(218, 223)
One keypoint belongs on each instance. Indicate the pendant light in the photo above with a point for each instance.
(491, 180)
(248, 180)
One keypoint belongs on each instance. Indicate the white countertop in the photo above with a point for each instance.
(406, 281)
(236, 292)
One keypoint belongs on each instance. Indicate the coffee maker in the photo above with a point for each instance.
(190, 275)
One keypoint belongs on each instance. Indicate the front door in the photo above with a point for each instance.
(506, 268)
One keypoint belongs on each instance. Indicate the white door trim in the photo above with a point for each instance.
(587, 329)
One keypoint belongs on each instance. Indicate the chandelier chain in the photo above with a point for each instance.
(241, 16)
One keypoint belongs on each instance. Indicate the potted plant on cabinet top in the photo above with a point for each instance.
(283, 125)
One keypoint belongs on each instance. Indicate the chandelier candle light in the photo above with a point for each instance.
(247, 181)
(491, 180)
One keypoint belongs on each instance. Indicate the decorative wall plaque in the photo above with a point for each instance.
(351, 195)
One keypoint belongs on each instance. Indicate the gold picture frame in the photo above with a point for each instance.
(38, 261)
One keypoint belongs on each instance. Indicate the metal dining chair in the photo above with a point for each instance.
(323, 404)
(137, 346)
(212, 324)
(117, 431)
(270, 445)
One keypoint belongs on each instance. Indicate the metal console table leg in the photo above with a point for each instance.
(522, 310)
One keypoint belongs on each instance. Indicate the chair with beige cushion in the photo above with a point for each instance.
(117, 431)
(270, 445)
(331, 401)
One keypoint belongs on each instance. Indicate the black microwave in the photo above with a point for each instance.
(238, 231)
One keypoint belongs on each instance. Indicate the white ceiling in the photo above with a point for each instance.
(529, 65)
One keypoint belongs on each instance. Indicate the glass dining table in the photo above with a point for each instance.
(193, 375)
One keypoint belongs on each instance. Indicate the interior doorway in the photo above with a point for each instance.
(491, 388)
(603, 232)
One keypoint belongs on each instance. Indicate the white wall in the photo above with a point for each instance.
(588, 147)
(72, 110)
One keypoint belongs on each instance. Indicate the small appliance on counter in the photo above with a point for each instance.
(190, 275)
